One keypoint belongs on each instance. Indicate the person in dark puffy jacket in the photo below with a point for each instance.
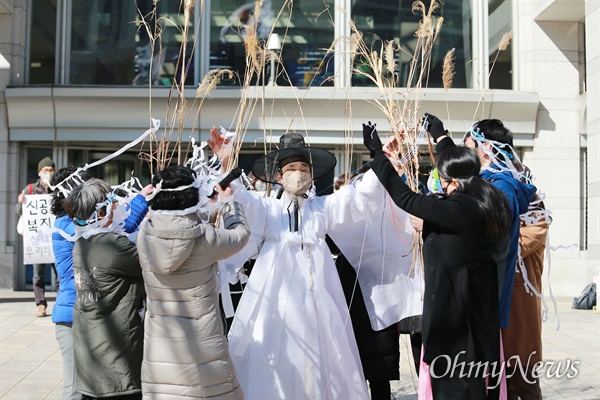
(108, 331)
(62, 312)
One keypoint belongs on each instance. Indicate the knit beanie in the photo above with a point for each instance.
(46, 162)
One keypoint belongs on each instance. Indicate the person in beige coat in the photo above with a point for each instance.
(523, 337)
(186, 353)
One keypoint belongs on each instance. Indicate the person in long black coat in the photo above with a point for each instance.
(379, 350)
(460, 308)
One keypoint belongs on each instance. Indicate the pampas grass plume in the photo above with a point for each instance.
(390, 57)
(448, 69)
(505, 41)
(211, 80)
(439, 24)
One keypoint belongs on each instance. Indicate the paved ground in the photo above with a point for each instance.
(30, 361)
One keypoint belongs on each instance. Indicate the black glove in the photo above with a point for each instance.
(434, 126)
(371, 139)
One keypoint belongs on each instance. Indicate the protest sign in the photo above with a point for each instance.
(37, 232)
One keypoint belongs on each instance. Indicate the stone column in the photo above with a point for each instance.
(592, 35)
(13, 17)
(550, 65)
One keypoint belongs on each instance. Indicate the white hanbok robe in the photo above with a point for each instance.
(291, 337)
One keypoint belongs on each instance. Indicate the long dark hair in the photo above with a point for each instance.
(58, 198)
(173, 177)
(462, 164)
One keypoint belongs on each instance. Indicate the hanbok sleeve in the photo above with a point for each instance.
(354, 203)
(256, 211)
(377, 239)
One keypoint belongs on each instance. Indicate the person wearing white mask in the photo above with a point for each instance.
(42, 186)
(291, 335)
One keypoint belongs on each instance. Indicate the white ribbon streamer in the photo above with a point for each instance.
(75, 175)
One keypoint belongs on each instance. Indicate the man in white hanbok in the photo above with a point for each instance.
(291, 337)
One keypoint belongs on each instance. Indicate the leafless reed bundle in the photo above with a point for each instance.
(163, 146)
(502, 46)
(400, 108)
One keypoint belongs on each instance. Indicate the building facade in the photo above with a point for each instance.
(75, 81)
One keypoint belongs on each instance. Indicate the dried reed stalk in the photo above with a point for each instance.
(400, 108)
(160, 154)
(164, 146)
(257, 57)
(502, 46)
(448, 75)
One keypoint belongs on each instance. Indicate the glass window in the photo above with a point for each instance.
(76, 156)
(500, 61)
(109, 48)
(34, 156)
(584, 201)
(119, 169)
(42, 42)
(305, 30)
(394, 20)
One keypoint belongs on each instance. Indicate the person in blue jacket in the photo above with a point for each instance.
(493, 143)
(62, 312)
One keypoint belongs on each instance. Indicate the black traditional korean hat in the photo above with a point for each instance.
(293, 148)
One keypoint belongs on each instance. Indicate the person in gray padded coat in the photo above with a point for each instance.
(185, 349)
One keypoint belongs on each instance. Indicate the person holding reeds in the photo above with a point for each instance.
(492, 142)
(185, 349)
(460, 321)
(292, 336)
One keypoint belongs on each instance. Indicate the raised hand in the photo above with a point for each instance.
(217, 142)
(434, 126)
(147, 190)
(416, 222)
(391, 147)
(224, 193)
(371, 139)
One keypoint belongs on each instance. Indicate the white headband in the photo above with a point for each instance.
(158, 188)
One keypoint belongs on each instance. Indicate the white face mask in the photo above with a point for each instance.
(260, 186)
(46, 177)
(296, 182)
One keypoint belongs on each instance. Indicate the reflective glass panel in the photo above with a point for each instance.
(305, 29)
(108, 46)
(394, 20)
(500, 61)
(119, 169)
(42, 42)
